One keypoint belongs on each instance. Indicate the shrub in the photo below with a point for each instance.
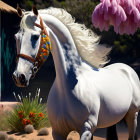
(28, 112)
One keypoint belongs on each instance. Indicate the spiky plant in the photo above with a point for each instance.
(28, 111)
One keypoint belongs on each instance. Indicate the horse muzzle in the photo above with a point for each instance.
(20, 80)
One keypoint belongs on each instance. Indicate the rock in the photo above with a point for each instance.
(7, 106)
(29, 129)
(3, 136)
(11, 138)
(23, 136)
(43, 131)
(69, 138)
(1, 106)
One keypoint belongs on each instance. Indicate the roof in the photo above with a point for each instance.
(7, 8)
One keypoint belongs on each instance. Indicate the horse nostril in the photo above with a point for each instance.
(14, 78)
(22, 79)
(22, 76)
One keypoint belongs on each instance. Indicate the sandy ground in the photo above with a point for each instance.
(99, 134)
(72, 136)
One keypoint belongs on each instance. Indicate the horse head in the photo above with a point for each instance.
(33, 46)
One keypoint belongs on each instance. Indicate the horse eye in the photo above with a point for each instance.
(35, 37)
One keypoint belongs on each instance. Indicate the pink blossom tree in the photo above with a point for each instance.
(124, 15)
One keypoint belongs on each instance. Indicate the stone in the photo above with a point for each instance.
(29, 129)
(11, 138)
(3, 135)
(43, 131)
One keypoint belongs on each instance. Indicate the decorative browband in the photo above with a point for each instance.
(46, 48)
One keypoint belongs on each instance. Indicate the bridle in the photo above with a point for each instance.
(43, 52)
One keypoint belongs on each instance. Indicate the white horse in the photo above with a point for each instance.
(83, 97)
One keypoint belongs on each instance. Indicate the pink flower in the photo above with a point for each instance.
(124, 15)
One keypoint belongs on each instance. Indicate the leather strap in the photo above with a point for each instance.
(39, 26)
(26, 57)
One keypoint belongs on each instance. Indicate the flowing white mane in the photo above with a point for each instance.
(86, 41)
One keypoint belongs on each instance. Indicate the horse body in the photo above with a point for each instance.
(83, 97)
(86, 90)
(109, 104)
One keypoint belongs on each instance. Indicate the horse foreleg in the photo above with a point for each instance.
(57, 136)
(88, 128)
(86, 135)
(131, 120)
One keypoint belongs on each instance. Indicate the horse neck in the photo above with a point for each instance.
(64, 51)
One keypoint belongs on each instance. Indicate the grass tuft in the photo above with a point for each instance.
(28, 111)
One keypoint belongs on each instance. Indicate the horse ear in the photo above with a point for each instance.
(35, 11)
(19, 11)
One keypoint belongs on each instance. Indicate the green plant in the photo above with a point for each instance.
(28, 111)
(3, 121)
